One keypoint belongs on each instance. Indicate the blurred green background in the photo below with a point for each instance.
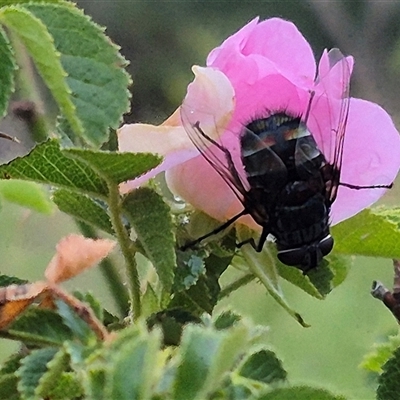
(162, 40)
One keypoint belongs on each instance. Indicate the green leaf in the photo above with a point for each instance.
(172, 322)
(11, 364)
(116, 167)
(373, 232)
(206, 355)
(94, 66)
(190, 266)
(77, 353)
(46, 163)
(6, 280)
(9, 2)
(150, 302)
(79, 328)
(300, 393)
(226, 320)
(26, 194)
(134, 369)
(380, 354)
(32, 368)
(7, 68)
(196, 286)
(56, 382)
(38, 325)
(297, 278)
(152, 222)
(68, 387)
(389, 380)
(55, 367)
(264, 266)
(8, 387)
(263, 366)
(40, 45)
(99, 368)
(92, 302)
(320, 281)
(96, 383)
(8, 378)
(83, 208)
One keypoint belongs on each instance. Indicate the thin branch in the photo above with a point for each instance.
(242, 281)
(125, 244)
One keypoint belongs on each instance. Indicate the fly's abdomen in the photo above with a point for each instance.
(301, 224)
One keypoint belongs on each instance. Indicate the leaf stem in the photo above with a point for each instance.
(114, 202)
(110, 273)
(235, 285)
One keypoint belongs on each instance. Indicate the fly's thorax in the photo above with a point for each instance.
(278, 149)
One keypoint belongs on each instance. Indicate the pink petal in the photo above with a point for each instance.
(258, 49)
(274, 93)
(371, 157)
(333, 74)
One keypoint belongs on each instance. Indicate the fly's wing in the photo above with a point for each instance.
(308, 157)
(212, 149)
(327, 117)
(338, 59)
(262, 166)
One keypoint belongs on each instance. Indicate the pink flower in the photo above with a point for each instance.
(269, 67)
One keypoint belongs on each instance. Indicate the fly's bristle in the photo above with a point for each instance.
(281, 119)
(272, 123)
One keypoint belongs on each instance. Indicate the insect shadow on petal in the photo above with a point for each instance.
(289, 184)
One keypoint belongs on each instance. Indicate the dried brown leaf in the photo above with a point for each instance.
(14, 299)
(74, 254)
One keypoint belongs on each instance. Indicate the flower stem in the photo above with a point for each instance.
(235, 285)
(125, 244)
(110, 273)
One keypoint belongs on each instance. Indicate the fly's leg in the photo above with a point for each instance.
(356, 187)
(215, 231)
(249, 241)
(256, 246)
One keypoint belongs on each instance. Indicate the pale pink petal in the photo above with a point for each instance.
(210, 100)
(371, 157)
(213, 95)
(199, 184)
(168, 141)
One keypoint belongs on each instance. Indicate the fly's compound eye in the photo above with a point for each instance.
(326, 245)
(292, 257)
